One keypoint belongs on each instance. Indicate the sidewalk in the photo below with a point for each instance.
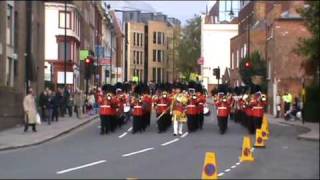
(15, 137)
(312, 134)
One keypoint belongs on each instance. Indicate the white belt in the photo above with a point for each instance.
(107, 106)
(201, 103)
(222, 107)
(257, 108)
(137, 106)
(161, 104)
(191, 106)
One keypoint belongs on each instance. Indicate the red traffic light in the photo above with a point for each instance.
(247, 65)
(88, 61)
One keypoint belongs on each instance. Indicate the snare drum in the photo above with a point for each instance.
(126, 108)
(206, 111)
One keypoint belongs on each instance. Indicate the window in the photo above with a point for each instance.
(269, 70)
(241, 53)
(62, 19)
(154, 55)
(134, 38)
(237, 59)
(154, 37)
(159, 55)
(159, 37)
(61, 51)
(9, 25)
(159, 75)
(244, 50)
(10, 72)
(141, 39)
(134, 57)
(162, 38)
(232, 61)
(154, 74)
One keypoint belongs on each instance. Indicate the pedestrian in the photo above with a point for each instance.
(223, 114)
(43, 102)
(278, 105)
(68, 100)
(77, 103)
(56, 105)
(50, 106)
(287, 99)
(91, 102)
(30, 110)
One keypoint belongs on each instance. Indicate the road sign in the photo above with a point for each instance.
(210, 170)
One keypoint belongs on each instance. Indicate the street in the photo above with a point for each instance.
(84, 153)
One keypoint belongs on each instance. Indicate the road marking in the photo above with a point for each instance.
(233, 167)
(80, 167)
(185, 134)
(137, 152)
(238, 163)
(220, 174)
(227, 170)
(169, 142)
(122, 135)
(129, 129)
(99, 127)
(252, 149)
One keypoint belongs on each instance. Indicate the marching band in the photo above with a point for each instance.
(176, 104)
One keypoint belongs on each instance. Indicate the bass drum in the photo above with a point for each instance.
(206, 111)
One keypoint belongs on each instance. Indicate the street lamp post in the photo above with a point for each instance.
(65, 43)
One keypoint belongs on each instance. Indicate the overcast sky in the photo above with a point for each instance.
(182, 10)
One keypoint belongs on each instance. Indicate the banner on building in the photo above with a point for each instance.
(69, 79)
(83, 54)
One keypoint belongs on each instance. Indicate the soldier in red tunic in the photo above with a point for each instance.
(162, 105)
(147, 103)
(137, 113)
(107, 114)
(258, 103)
(201, 100)
(192, 113)
(222, 114)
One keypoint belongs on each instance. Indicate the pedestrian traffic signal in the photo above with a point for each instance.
(216, 72)
(88, 61)
(247, 65)
(88, 67)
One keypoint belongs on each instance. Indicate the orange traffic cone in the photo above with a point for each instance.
(246, 154)
(210, 169)
(259, 141)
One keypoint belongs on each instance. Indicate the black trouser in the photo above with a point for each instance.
(55, 114)
(257, 122)
(137, 123)
(163, 122)
(26, 126)
(103, 125)
(192, 123)
(69, 108)
(237, 116)
(120, 120)
(223, 124)
(76, 110)
(200, 120)
(148, 116)
(43, 113)
(250, 124)
(112, 120)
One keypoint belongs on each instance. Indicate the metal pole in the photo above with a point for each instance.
(28, 45)
(65, 43)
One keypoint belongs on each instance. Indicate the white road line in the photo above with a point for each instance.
(122, 135)
(238, 163)
(129, 129)
(137, 152)
(233, 167)
(169, 142)
(252, 149)
(227, 170)
(185, 134)
(80, 167)
(220, 174)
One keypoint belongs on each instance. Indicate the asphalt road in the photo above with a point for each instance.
(84, 153)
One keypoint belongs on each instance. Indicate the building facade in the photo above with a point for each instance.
(21, 56)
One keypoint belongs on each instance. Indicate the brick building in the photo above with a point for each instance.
(274, 30)
(21, 56)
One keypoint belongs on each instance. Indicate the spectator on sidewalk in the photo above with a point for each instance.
(278, 105)
(287, 99)
(50, 106)
(77, 102)
(29, 107)
(67, 96)
(56, 105)
(91, 102)
(43, 102)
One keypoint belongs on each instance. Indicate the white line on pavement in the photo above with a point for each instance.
(169, 142)
(122, 135)
(129, 129)
(80, 167)
(252, 149)
(137, 152)
(227, 170)
(220, 174)
(185, 134)
(233, 167)
(238, 163)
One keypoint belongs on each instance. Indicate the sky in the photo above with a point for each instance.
(182, 10)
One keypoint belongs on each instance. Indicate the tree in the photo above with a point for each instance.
(252, 66)
(309, 47)
(189, 47)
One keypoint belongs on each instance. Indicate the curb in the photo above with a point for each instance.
(52, 137)
(301, 136)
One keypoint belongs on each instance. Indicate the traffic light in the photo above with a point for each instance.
(216, 72)
(88, 67)
(247, 65)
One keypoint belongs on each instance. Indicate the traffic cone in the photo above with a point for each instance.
(265, 128)
(259, 141)
(246, 154)
(210, 169)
